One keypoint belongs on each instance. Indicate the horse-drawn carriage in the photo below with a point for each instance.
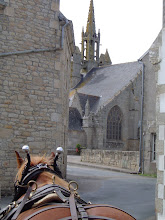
(41, 193)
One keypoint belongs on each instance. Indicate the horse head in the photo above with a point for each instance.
(41, 169)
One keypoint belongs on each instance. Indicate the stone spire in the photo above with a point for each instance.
(105, 59)
(90, 29)
(90, 42)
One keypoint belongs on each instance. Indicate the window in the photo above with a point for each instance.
(75, 121)
(153, 146)
(114, 124)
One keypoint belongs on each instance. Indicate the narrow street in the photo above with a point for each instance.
(132, 193)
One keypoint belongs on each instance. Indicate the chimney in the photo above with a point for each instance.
(55, 6)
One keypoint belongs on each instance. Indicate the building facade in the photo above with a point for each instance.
(36, 46)
(113, 107)
(160, 125)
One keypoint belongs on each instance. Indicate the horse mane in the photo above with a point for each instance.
(34, 161)
(44, 177)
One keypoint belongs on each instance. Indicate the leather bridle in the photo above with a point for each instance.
(32, 173)
(25, 188)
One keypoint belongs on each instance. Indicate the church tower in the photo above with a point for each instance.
(90, 42)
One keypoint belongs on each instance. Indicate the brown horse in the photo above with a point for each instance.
(41, 193)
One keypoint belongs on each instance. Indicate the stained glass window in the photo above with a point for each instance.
(114, 124)
(75, 121)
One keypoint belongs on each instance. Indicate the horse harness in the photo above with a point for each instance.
(68, 198)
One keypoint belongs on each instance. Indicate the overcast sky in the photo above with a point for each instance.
(127, 27)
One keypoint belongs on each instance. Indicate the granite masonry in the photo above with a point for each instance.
(160, 124)
(113, 158)
(36, 46)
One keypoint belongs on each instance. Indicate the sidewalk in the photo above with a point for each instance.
(76, 161)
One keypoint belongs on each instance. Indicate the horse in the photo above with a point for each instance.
(41, 193)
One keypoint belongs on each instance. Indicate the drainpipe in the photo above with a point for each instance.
(141, 145)
(63, 32)
(61, 18)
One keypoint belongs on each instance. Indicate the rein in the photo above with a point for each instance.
(67, 199)
(24, 187)
(31, 174)
(62, 193)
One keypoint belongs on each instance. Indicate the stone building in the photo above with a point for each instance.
(149, 135)
(112, 111)
(160, 123)
(36, 46)
(75, 68)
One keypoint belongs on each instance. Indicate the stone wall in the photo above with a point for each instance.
(34, 81)
(129, 104)
(160, 124)
(74, 138)
(76, 67)
(151, 64)
(121, 159)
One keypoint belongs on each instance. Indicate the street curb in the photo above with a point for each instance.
(92, 165)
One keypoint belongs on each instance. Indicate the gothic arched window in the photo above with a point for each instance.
(114, 124)
(75, 121)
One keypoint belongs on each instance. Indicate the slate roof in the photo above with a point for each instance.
(106, 82)
(93, 101)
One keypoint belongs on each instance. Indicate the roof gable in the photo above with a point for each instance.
(101, 85)
(108, 81)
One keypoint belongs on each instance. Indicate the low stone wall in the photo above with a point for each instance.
(122, 159)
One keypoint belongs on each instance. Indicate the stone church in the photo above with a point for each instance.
(112, 109)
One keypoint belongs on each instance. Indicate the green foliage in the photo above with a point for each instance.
(149, 175)
(78, 148)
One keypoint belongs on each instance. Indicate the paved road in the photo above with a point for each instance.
(132, 193)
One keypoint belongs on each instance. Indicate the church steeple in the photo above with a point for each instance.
(90, 42)
(90, 29)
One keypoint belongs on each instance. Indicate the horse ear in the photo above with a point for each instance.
(19, 160)
(52, 155)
